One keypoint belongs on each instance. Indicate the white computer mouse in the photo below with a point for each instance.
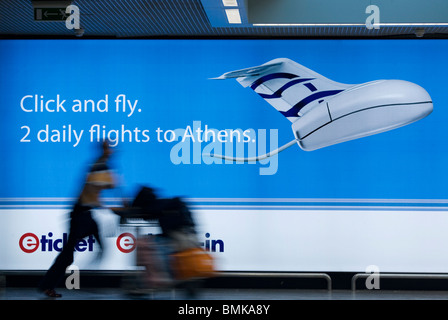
(324, 112)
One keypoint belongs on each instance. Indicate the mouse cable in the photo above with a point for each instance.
(262, 157)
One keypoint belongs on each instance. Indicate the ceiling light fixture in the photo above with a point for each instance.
(233, 16)
(230, 3)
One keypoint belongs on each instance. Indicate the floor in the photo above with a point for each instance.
(14, 293)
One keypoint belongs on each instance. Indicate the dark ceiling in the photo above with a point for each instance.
(177, 18)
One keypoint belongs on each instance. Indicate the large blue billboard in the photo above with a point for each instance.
(156, 101)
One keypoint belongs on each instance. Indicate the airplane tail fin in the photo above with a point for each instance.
(288, 86)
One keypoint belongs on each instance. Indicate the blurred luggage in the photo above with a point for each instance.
(194, 263)
(175, 255)
(171, 213)
(151, 254)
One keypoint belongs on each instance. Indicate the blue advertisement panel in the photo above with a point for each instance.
(231, 125)
(156, 102)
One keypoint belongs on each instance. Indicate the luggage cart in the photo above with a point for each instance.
(169, 257)
(143, 279)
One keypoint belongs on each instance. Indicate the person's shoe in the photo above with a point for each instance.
(52, 294)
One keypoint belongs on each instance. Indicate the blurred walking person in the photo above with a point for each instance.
(82, 224)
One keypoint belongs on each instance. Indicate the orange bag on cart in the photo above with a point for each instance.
(192, 263)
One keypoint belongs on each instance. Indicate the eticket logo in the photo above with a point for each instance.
(126, 242)
(30, 243)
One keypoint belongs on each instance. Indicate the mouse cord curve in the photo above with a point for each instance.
(264, 156)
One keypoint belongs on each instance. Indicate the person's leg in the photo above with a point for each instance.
(80, 228)
(57, 270)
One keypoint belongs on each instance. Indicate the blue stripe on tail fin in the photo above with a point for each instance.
(288, 86)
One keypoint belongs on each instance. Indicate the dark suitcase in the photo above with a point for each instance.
(152, 255)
